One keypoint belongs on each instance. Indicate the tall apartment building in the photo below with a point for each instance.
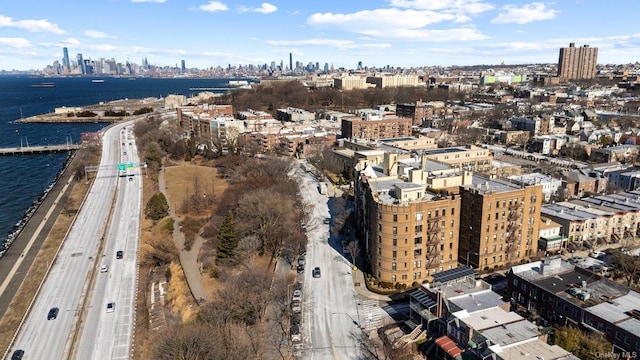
(499, 222)
(410, 233)
(577, 62)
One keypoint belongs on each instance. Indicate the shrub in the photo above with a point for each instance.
(386, 285)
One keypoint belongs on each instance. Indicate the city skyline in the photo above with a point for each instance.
(400, 33)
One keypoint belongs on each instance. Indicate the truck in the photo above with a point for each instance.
(322, 188)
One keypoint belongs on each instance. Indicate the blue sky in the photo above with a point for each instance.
(402, 33)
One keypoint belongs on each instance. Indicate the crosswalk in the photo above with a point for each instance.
(372, 315)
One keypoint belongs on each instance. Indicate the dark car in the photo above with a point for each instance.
(53, 313)
(316, 272)
(17, 355)
(119, 254)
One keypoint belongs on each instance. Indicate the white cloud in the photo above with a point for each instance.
(96, 34)
(18, 43)
(148, 1)
(379, 19)
(213, 6)
(528, 13)
(338, 44)
(266, 8)
(458, 6)
(71, 41)
(31, 25)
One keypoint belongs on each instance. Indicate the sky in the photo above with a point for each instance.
(399, 33)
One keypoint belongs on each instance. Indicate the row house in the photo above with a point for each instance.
(557, 292)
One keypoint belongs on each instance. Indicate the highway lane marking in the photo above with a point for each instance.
(17, 264)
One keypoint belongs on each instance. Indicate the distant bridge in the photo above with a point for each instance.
(23, 150)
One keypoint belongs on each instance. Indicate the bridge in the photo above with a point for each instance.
(24, 150)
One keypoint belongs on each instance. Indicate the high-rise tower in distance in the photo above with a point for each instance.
(65, 61)
(576, 63)
(290, 62)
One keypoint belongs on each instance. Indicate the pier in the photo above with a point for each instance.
(24, 150)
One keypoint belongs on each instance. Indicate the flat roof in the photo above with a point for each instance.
(572, 213)
(535, 349)
(615, 309)
(512, 333)
(477, 300)
(486, 184)
(488, 318)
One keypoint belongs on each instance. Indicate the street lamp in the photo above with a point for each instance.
(469, 253)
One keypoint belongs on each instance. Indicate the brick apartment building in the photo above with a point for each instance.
(388, 127)
(499, 223)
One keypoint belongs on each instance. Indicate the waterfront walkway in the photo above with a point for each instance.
(22, 150)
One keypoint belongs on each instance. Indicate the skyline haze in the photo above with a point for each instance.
(401, 33)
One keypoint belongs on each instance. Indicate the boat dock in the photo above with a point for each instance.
(24, 150)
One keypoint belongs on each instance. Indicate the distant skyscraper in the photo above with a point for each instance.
(83, 68)
(183, 67)
(291, 61)
(577, 63)
(65, 61)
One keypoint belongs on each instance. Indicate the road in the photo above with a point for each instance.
(330, 321)
(77, 261)
(107, 335)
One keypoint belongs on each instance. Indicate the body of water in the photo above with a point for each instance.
(25, 178)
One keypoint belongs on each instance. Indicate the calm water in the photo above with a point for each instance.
(24, 178)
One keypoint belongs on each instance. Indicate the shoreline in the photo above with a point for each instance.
(6, 243)
(69, 115)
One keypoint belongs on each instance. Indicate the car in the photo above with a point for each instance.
(17, 355)
(119, 254)
(130, 179)
(297, 295)
(104, 268)
(124, 153)
(316, 272)
(301, 260)
(296, 307)
(596, 268)
(597, 255)
(300, 268)
(111, 307)
(576, 259)
(326, 220)
(53, 313)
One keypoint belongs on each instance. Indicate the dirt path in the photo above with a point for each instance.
(188, 259)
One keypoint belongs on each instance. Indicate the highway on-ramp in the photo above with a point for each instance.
(40, 335)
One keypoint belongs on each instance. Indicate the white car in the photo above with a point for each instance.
(104, 268)
(111, 307)
(597, 254)
(297, 295)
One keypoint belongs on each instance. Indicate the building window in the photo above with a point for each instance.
(395, 230)
(395, 217)
(393, 278)
(404, 276)
(417, 264)
(418, 228)
(417, 252)
(417, 240)
(393, 266)
(394, 254)
(395, 242)
(418, 216)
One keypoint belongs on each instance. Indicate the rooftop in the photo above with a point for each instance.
(535, 349)
(512, 333)
(488, 318)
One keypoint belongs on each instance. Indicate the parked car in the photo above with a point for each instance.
(300, 268)
(296, 307)
(326, 220)
(597, 254)
(119, 254)
(104, 268)
(111, 307)
(316, 272)
(297, 295)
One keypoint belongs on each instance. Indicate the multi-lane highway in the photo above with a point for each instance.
(82, 328)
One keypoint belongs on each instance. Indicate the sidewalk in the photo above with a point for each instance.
(188, 259)
(359, 282)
